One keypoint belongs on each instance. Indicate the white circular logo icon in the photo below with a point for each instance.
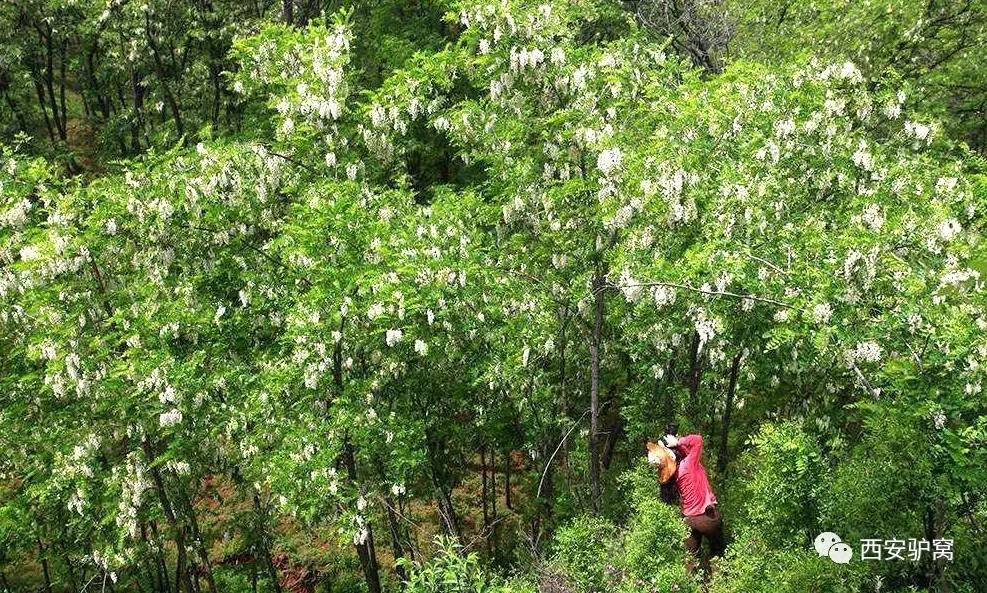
(829, 544)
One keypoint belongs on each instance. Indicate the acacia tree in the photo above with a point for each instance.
(548, 225)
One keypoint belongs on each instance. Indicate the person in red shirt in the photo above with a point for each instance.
(695, 495)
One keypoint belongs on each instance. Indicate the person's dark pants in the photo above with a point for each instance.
(709, 525)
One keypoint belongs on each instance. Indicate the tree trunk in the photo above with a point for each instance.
(264, 547)
(447, 512)
(40, 91)
(721, 455)
(61, 90)
(396, 547)
(613, 434)
(441, 487)
(198, 543)
(493, 500)
(163, 565)
(155, 574)
(181, 572)
(485, 491)
(176, 112)
(493, 482)
(508, 459)
(540, 523)
(137, 122)
(42, 556)
(288, 12)
(594, 390)
(364, 549)
(695, 374)
(49, 79)
(70, 571)
(21, 122)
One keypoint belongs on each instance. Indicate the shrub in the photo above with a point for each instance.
(448, 571)
(784, 475)
(653, 553)
(584, 552)
(784, 480)
(653, 550)
(757, 568)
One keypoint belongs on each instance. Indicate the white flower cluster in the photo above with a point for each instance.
(949, 229)
(956, 277)
(170, 417)
(608, 160)
(393, 336)
(863, 158)
(872, 217)
(16, 216)
(663, 296)
(630, 286)
(706, 327)
(135, 483)
(918, 131)
(892, 109)
(822, 312)
(846, 71)
(866, 351)
(524, 58)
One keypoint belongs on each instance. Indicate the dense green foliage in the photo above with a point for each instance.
(363, 296)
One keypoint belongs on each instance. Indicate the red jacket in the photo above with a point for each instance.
(695, 492)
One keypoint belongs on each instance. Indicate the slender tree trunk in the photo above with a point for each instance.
(613, 435)
(181, 572)
(508, 459)
(365, 549)
(49, 79)
(43, 557)
(484, 489)
(541, 525)
(395, 531)
(493, 482)
(721, 455)
(70, 571)
(594, 391)
(155, 575)
(39, 90)
(103, 101)
(176, 112)
(162, 563)
(61, 89)
(493, 500)
(262, 544)
(137, 122)
(441, 486)
(198, 543)
(288, 12)
(21, 122)
(695, 375)
(447, 511)
(411, 547)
